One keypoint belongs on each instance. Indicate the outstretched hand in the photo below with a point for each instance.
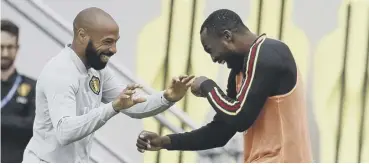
(178, 88)
(126, 100)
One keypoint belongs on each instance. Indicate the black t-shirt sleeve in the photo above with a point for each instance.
(261, 77)
(215, 134)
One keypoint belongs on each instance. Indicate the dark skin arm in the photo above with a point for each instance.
(234, 113)
(199, 139)
(215, 134)
(261, 80)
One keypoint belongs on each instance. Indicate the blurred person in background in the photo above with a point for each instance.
(17, 98)
(264, 100)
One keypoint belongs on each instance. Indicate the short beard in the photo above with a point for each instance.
(235, 61)
(93, 57)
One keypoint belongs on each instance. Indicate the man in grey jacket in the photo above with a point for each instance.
(72, 86)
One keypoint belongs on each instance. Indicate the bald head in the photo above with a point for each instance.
(95, 36)
(91, 19)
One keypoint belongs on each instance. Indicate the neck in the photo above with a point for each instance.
(247, 40)
(80, 53)
(5, 74)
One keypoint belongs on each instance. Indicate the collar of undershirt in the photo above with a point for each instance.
(76, 60)
(257, 40)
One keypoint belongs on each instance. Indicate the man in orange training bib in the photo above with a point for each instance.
(265, 97)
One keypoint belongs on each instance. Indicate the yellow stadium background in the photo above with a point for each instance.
(328, 58)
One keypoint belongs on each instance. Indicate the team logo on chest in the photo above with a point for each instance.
(95, 85)
(24, 89)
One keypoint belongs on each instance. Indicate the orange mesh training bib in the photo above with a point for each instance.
(280, 133)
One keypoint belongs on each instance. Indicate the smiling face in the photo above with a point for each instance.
(97, 60)
(222, 49)
(100, 44)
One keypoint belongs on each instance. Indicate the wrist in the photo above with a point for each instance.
(165, 142)
(167, 97)
(207, 86)
(114, 105)
(108, 112)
